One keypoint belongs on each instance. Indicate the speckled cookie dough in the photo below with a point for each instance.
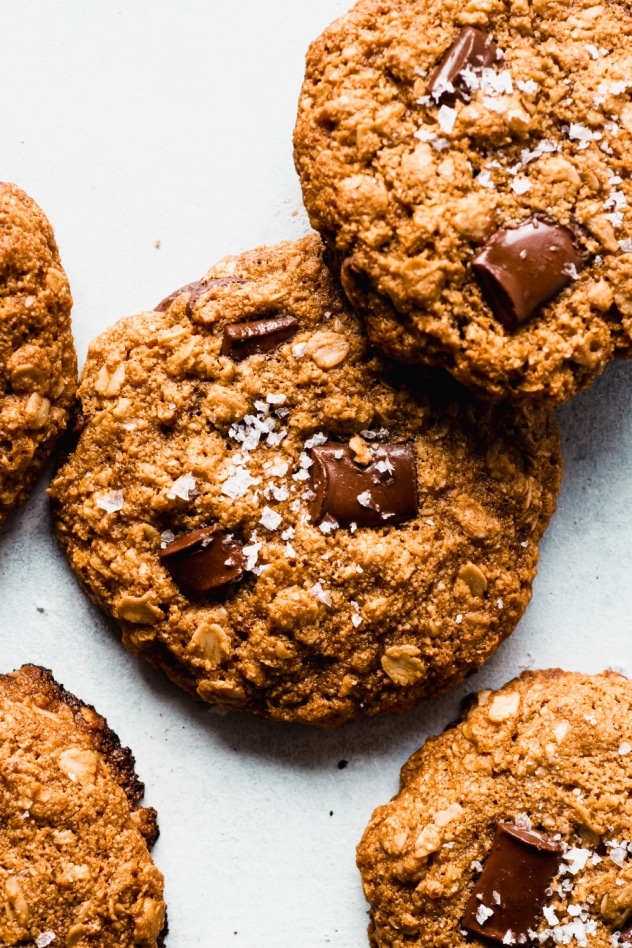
(38, 366)
(76, 869)
(447, 150)
(277, 519)
(514, 826)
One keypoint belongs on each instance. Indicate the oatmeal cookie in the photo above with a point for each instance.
(76, 869)
(282, 520)
(38, 365)
(468, 166)
(513, 827)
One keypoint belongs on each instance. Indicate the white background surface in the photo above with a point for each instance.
(171, 120)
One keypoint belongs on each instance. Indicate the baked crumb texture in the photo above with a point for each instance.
(513, 826)
(409, 173)
(38, 365)
(75, 864)
(198, 506)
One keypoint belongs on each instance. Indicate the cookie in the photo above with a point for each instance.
(513, 827)
(38, 365)
(468, 165)
(281, 519)
(76, 869)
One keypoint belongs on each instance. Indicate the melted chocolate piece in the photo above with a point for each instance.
(204, 560)
(521, 269)
(383, 492)
(195, 290)
(245, 339)
(511, 890)
(164, 305)
(471, 48)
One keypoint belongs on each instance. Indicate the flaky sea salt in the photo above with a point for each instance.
(356, 620)
(166, 537)
(575, 860)
(273, 398)
(484, 178)
(298, 350)
(111, 502)
(239, 483)
(365, 498)
(483, 914)
(529, 86)
(446, 118)
(625, 748)
(316, 439)
(280, 493)
(45, 939)
(251, 552)
(321, 594)
(579, 132)
(270, 519)
(183, 487)
(520, 185)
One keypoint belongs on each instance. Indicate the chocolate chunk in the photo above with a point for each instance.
(245, 339)
(520, 269)
(511, 891)
(471, 48)
(204, 560)
(164, 305)
(195, 290)
(381, 493)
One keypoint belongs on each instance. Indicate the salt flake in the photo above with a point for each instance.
(270, 519)
(520, 185)
(46, 938)
(321, 594)
(111, 502)
(483, 914)
(183, 487)
(239, 483)
(446, 118)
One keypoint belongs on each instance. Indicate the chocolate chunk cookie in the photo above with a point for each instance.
(513, 827)
(38, 365)
(469, 165)
(282, 520)
(76, 869)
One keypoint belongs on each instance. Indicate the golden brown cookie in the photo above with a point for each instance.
(76, 869)
(513, 827)
(38, 365)
(282, 520)
(468, 164)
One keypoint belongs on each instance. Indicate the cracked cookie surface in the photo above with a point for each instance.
(408, 179)
(303, 532)
(76, 869)
(547, 756)
(38, 365)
